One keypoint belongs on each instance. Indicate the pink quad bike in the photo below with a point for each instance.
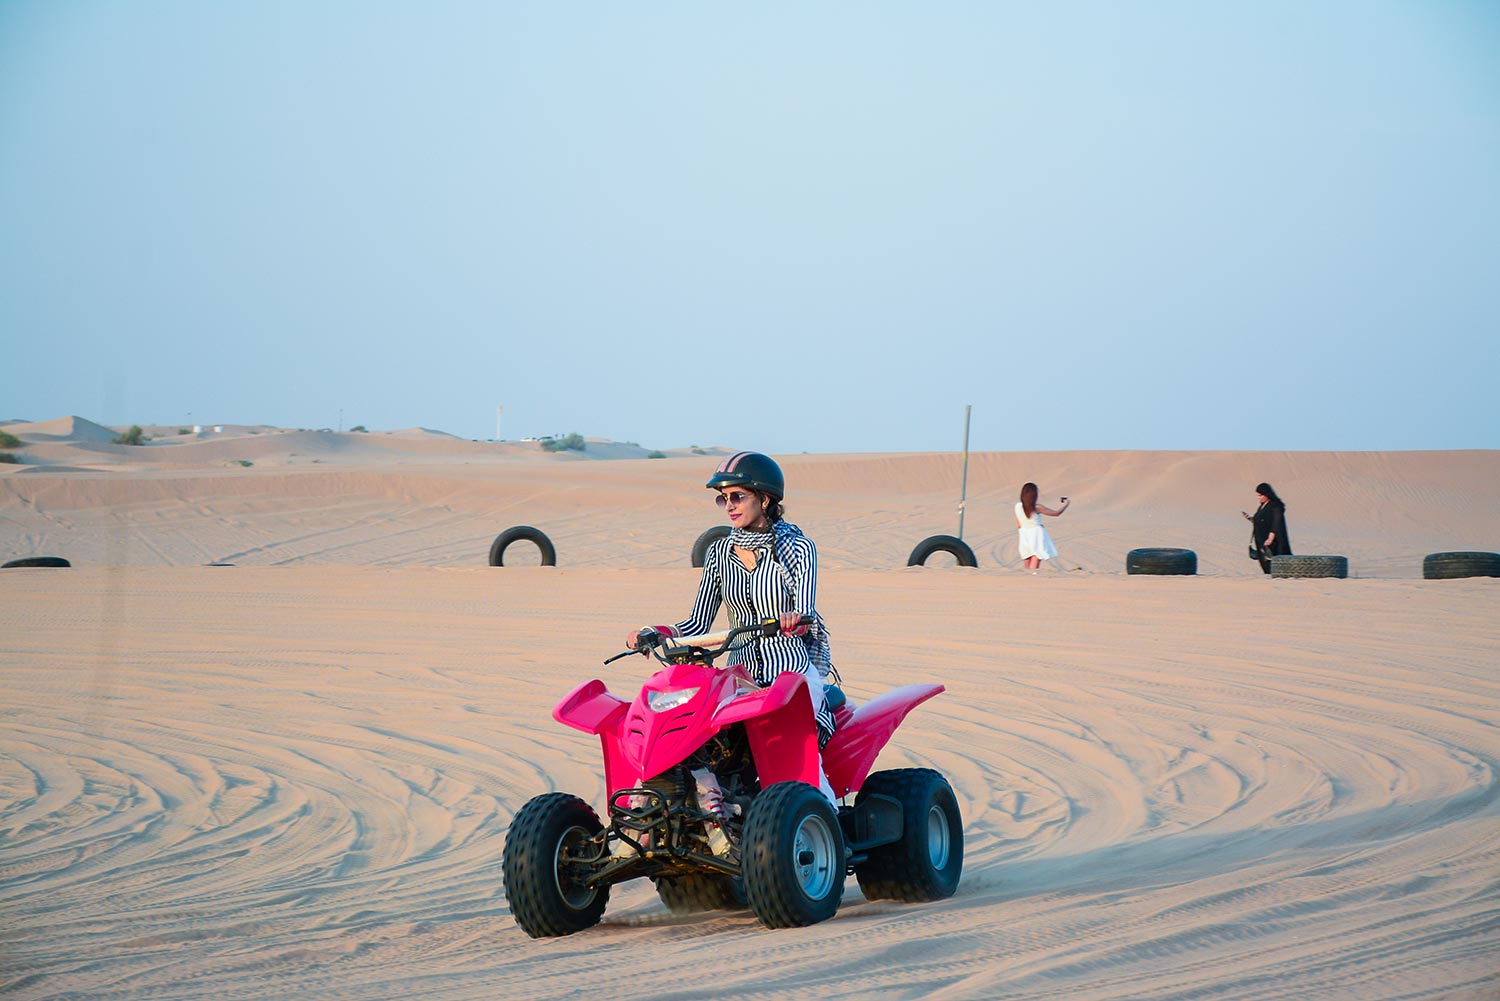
(713, 795)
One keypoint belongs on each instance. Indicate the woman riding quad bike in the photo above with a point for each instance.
(714, 795)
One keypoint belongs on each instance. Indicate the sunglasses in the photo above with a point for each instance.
(735, 497)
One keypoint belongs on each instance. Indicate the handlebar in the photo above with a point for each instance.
(703, 649)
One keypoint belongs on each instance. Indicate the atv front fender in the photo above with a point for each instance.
(783, 733)
(590, 707)
(594, 709)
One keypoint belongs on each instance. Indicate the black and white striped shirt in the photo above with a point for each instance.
(786, 582)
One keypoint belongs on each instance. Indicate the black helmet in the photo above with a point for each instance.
(749, 469)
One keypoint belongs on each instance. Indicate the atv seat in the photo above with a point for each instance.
(835, 697)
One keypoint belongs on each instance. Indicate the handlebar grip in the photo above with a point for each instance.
(765, 627)
(772, 627)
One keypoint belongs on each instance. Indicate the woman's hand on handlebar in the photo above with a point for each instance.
(647, 637)
(794, 623)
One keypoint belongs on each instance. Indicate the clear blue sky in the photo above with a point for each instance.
(794, 227)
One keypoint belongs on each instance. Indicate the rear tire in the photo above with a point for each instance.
(700, 546)
(793, 856)
(1451, 566)
(1310, 566)
(517, 534)
(546, 897)
(705, 892)
(942, 544)
(929, 859)
(1162, 562)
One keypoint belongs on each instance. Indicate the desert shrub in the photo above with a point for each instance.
(8, 440)
(568, 442)
(244, 462)
(699, 451)
(656, 455)
(8, 457)
(135, 436)
(359, 427)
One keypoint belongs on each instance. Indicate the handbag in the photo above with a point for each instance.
(1254, 555)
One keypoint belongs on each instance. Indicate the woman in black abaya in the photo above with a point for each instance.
(1268, 527)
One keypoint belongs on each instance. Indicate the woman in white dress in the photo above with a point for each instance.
(1036, 544)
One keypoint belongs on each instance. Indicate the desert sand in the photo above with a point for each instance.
(293, 776)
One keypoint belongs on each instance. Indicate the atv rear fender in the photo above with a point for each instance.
(856, 744)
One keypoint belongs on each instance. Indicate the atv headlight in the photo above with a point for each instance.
(660, 702)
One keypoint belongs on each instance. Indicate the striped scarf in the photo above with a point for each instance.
(760, 543)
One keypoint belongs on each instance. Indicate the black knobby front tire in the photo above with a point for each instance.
(701, 544)
(37, 561)
(1310, 566)
(1162, 562)
(793, 856)
(942, 544)
(1452, 566)
(518, 534)
(701, 892)
(929, 859)
(546, 898)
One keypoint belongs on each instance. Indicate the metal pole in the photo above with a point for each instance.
(963, 492)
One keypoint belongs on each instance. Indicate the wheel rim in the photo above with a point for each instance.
(814, 839)
(937, 837)
(572, 892)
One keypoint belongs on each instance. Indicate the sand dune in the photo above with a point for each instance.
(293, 777)
(63, 429)
(72, 444)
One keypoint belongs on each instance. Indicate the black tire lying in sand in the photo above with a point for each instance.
(1451, 566)
(701, 544)
(519, 534)
(942, 544)
(37, 561)
(1162, 562)
(1310, 566)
